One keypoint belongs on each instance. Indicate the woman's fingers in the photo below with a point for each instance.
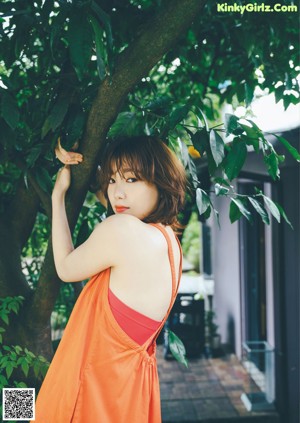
(67, 157)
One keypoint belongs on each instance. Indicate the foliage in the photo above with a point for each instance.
(210, 324)
(16, 357)
(191, 241)
(177, 348)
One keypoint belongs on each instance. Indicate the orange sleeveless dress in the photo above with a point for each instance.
(99, 374)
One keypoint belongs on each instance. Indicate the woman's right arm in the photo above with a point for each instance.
(107, 246)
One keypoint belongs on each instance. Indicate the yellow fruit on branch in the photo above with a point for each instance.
(193, 152)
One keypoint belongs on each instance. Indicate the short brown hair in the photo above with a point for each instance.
(150, 160)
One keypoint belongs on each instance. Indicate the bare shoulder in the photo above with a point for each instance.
(121, 229)
(119, 223)
(129, 230)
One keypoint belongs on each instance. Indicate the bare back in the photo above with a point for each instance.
(143, 277)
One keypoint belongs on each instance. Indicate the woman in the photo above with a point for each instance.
(104, 370)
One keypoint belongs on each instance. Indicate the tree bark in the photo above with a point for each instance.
(15, 228)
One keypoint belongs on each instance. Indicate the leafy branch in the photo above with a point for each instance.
(225, 158)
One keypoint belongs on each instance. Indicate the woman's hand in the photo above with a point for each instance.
(63, 182)
(67, 157)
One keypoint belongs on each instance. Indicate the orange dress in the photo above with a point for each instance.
(99, 374)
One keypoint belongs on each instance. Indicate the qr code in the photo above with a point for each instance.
(18, 404)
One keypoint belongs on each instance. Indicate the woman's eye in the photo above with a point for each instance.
(131, 180)
(111, 181)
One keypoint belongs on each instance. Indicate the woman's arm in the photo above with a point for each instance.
(106, 246)
(61, 235)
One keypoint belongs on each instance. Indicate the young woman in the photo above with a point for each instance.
(104, 370)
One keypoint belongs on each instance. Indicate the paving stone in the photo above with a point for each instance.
(178, 411)
(209, 389)
(214, 407)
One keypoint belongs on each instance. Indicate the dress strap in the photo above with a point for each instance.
(175, 284)
(170, 254)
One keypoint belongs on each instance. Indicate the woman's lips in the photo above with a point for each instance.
(121, 209)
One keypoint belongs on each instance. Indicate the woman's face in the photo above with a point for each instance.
(129, 195)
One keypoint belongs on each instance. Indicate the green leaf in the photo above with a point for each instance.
(10, 111)
(3, 381)
(21, 385)
(234, 212)
(80, 43)
(56, 115)
(271, 162)
(57, 27)
(217, 146)
(30, 356)
(177, 116)
(289, 147)
(235, 159)
(252, 137)
(9, 369)
(222, 181)
(18, 349)
(231, 123)
(203, 118)
(200, 141)
(272, 207)
(177, 348)
(220, 190)
(160, 105)
(100, 48)
(249, 93)
(283, 214)
(126, 124)
(234, 215)
(33, 154)
(14, 307)
(207, 213)
(192, 168)
(36, 368)
(260, 210)
(105, 19)
(202, 200)
(25, 367)
(43, 179)
(75, 127)
(4, 317)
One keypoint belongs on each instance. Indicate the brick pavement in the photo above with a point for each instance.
(209, 390)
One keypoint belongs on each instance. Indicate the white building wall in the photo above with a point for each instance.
(225, 255)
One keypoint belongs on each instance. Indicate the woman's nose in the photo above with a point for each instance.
(119, 192)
